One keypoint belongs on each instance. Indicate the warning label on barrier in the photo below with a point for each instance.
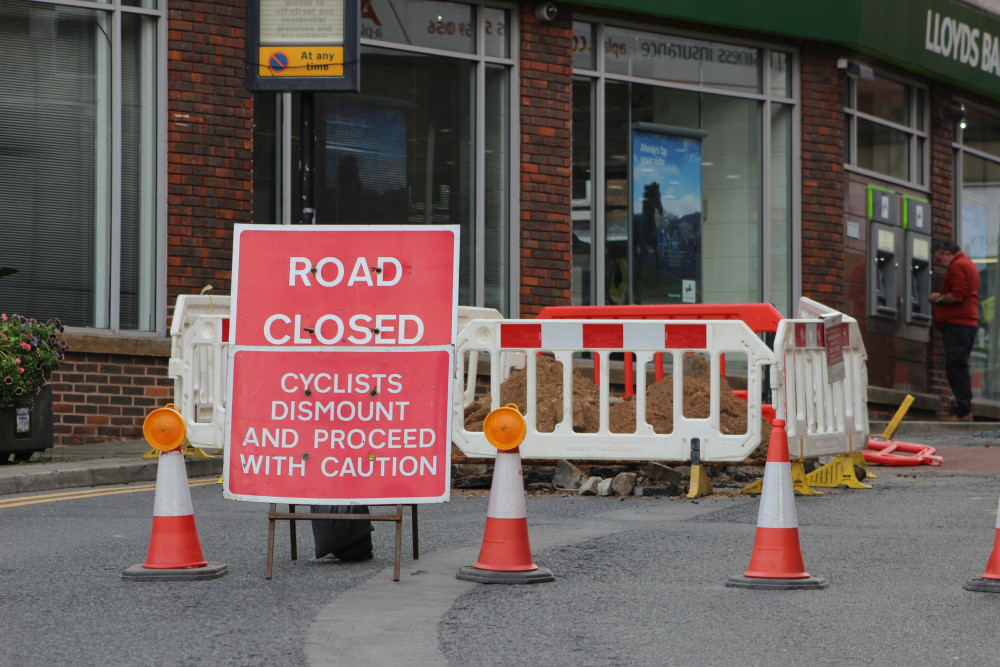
(339, 426)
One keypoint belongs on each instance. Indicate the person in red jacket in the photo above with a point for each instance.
(956, 314)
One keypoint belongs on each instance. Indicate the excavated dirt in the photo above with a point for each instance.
(621, 412)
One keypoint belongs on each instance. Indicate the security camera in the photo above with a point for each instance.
(546, 11)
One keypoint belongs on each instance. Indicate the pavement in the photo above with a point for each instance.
(965, 447)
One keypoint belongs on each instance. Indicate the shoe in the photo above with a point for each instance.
(955, 418)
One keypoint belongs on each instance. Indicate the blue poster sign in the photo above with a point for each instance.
(666, 208)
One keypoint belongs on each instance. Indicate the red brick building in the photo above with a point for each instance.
(610, 151)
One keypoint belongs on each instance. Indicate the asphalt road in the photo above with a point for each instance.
(639, 581)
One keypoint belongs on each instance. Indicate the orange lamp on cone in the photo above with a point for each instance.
(505, 555)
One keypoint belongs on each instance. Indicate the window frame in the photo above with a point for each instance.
(918, 140)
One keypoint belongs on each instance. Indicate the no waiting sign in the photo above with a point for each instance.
(340, 365)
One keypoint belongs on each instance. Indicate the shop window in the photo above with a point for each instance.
(426, 141)
(670, 170)
(977, 168)
(78, 160)
(887, 128)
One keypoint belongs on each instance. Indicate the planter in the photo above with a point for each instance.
(24, 431)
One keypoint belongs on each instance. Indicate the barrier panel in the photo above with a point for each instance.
(199, 333)
(762, 318)
(675, 339)
(822, 418)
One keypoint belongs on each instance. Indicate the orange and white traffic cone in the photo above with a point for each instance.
(505, 555)
(776, 561)
(990, 581)
(174, 548)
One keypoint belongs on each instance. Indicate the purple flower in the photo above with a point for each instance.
(8, 380)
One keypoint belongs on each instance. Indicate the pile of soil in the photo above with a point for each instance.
(621, 412)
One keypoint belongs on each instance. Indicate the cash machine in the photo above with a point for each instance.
(919, 268)
(885, 251)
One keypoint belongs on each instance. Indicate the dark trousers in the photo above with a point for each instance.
(958, 340)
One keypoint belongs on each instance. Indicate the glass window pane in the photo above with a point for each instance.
(616, 228)
(583, 45)
(402, 152)
(884, 99)
(882, 149)
(781, 207)
(583, 200)
(55, 154)
(496, 190)
(437, 25)
(681, 60)
(781, 74)
(731, 253)
(266, 158)
(982, 131)
(496, 30)
(138, 226)
(977, 235)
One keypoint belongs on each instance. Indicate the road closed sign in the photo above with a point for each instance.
(340, 426)
(348, 286)
(341, 360)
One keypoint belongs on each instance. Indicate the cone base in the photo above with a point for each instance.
(982, 585)
(505, 547)
(537, 576)
(776, 584)
(142, 573)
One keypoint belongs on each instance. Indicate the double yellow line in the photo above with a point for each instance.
(20, 501)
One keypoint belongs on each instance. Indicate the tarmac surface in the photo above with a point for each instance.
(965, 448)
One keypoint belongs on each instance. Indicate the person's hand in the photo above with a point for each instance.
(933, 298)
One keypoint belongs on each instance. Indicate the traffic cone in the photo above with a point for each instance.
(776, 561)
(990, 581)
(174, 548)
(505, 555)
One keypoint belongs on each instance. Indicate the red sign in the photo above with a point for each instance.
(339, 426)
(343, 285)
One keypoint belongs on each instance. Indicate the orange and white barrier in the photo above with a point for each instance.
(646, 339)
(823, 416)
(990, 581)
(776, 561)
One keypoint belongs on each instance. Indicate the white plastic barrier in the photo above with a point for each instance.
(198, 335)
(644, 338)
(822, 418)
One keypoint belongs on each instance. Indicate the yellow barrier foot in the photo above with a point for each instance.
(838, 471)
(151, 454)
(700, 486)
(754, 487)
(799, 481)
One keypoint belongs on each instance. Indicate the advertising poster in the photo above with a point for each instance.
(666, 217)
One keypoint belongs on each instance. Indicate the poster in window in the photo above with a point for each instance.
(666, 216)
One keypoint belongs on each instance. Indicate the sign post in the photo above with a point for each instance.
(341, 364)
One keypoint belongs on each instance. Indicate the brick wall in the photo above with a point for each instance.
(546, 162)
(823, 235)
(98, 397)
(210, 143)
